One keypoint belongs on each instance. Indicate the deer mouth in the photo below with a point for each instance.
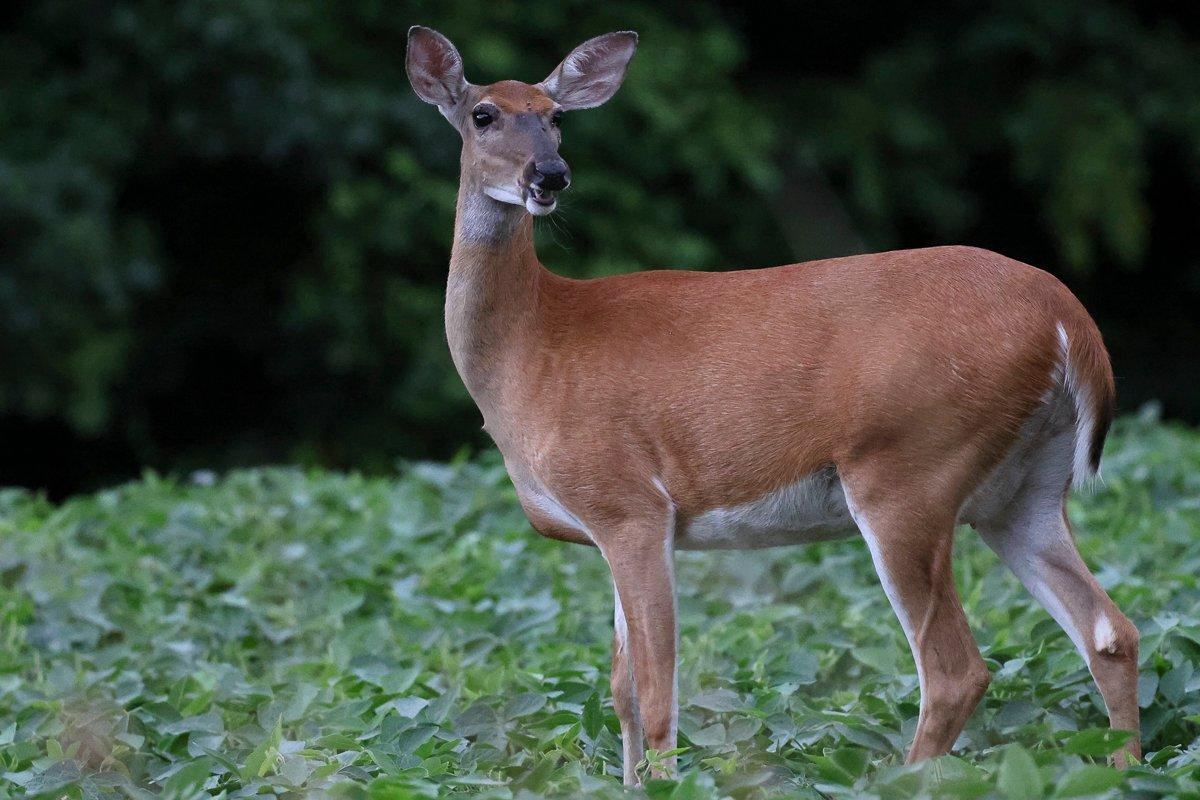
(540, 201)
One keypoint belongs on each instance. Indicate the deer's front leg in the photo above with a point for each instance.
(624, 694)
(641, 558)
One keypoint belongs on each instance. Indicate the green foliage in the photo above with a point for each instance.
(1074, 99)
(286, 633)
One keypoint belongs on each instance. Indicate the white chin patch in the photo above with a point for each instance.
(538, 209)
(504, 195)
(516, 199)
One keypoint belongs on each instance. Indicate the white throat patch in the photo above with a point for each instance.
(482, 220)
(504, 195)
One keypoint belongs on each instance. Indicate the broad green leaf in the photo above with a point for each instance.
(524, 704)
(260, 762)
(1096, 742)
(593, 716)
(1019, 778)
(1087, 780)
(711, 736)
(717, 700)
(188, 780)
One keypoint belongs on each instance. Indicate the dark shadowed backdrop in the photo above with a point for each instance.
(224, 225)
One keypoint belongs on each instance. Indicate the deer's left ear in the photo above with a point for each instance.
(592, 72)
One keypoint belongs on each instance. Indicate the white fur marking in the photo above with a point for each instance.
(1029, 539)
(572, 64)
(631, 730)
(812, 509)
(1045, 594)
(504, 195)
(548, 504)
(1085, 416)
(1037, 465)
(620, 627)
(537, 209)
(485, 221)
(669, 556)
(657, 483)
(1104, 635)
(889, 585)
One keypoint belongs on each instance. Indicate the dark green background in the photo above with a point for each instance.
(224, 226)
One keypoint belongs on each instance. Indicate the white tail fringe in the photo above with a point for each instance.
(1085, 413)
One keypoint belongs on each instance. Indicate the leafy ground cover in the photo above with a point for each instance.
(303, 634)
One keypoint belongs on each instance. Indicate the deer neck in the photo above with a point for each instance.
(491, 293)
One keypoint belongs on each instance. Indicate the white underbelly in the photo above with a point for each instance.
(812, 509)
(815, 509)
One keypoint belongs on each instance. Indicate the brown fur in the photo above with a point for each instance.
(516, 97)
(626, 406)
(911, 372)
(727, 386)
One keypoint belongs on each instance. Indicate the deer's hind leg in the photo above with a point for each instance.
(911, 539)
(1034, 539)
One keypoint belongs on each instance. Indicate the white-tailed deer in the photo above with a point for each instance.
(892, 395)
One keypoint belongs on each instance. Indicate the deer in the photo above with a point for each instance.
(894, 396)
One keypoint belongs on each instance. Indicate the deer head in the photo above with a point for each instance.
(511, 130)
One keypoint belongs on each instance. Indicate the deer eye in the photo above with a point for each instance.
(556, 119)
(482, 117)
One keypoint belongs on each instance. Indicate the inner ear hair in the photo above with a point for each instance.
(591, 73)
(435, 68)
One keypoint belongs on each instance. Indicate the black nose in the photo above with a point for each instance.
(551, 175)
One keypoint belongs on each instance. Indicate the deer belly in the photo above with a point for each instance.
(812, 509)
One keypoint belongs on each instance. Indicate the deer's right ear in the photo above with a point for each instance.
(435, 68)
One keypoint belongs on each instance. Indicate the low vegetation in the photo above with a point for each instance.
(284, 633)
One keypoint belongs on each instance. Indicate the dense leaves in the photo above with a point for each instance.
(282, 633)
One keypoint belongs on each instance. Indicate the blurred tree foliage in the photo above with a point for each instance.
(226, 222)
(1069, 97)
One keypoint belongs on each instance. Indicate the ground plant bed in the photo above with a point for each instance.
(287, 633)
